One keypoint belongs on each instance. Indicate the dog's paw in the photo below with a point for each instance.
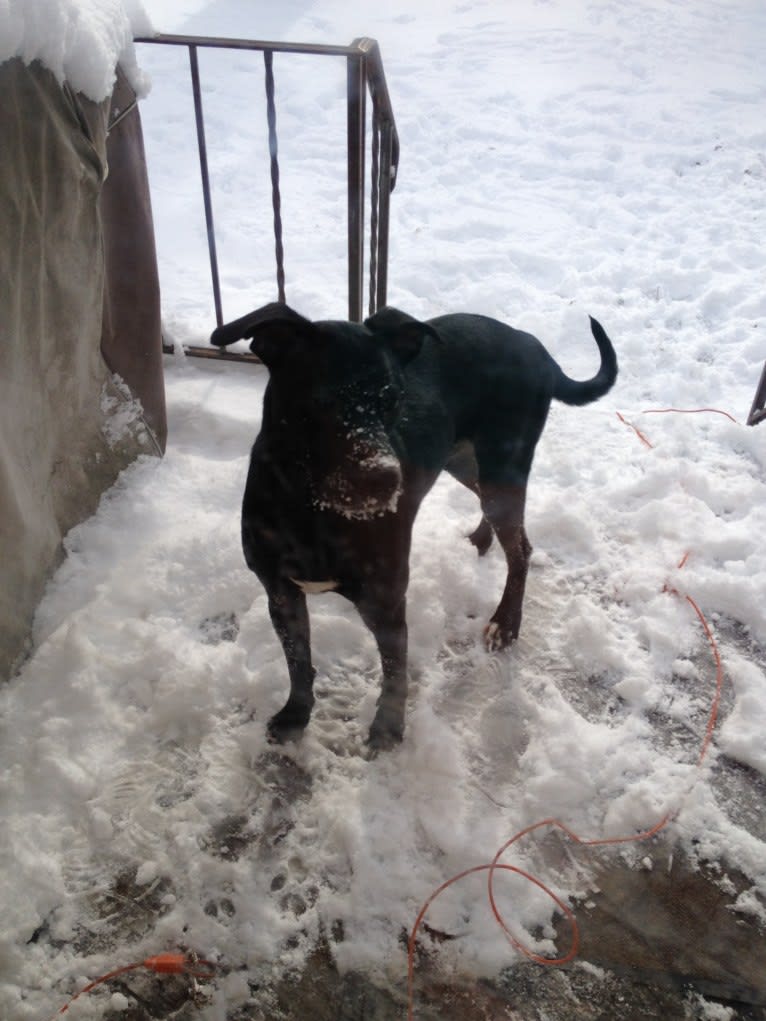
(288, 724)
(481, 537)
(497, 637)
(385, 734)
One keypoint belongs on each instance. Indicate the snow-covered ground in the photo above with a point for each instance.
(559, 158)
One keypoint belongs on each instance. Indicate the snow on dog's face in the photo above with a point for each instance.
(347, 413)
(334, 399)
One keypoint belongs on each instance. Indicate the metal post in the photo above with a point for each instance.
(276, 201)
(205, 183)
(757, 412)
(356, 122)
(384, 205)
(374, 207)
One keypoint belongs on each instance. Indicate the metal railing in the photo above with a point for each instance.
(364, 76)
(758, 410)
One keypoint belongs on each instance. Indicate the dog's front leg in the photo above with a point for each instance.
(503, 506)
(289, 615)
(388, 624)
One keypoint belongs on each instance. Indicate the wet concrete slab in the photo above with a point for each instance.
(676, 923)
(659, 939)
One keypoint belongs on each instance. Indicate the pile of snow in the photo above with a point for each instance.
(572, 157)
(80, 41)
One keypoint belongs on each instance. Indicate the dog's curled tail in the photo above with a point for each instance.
(570, 391)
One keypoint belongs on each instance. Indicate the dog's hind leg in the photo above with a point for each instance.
(481, 536)
(503, 507)
(289, 615)
(505, 448)
(462, 466)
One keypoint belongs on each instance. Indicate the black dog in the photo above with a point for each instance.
(358, 422)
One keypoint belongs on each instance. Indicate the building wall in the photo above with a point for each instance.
(58, 448)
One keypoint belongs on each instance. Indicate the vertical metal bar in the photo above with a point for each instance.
(374, 206)
(276, 200)
(356, 93)
(384, 205)
(205, 183)
(757, 413)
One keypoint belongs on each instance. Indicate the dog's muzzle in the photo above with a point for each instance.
(366, 485)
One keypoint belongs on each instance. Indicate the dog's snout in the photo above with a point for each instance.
(365, 483)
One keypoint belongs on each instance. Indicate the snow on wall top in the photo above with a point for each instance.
(80, 41)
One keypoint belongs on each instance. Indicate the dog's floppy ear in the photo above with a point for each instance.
(402, 333)
(273, 329)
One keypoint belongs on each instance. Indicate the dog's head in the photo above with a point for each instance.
(335, 399)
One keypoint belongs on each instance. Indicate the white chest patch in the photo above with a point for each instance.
(311, 588)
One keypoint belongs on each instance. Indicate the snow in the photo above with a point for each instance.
(80, 41)
(576, 157)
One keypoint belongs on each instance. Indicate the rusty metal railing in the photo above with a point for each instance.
(365, 77)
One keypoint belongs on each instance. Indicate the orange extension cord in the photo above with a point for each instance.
(162, 964)
(495, 865)
(671, 411)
